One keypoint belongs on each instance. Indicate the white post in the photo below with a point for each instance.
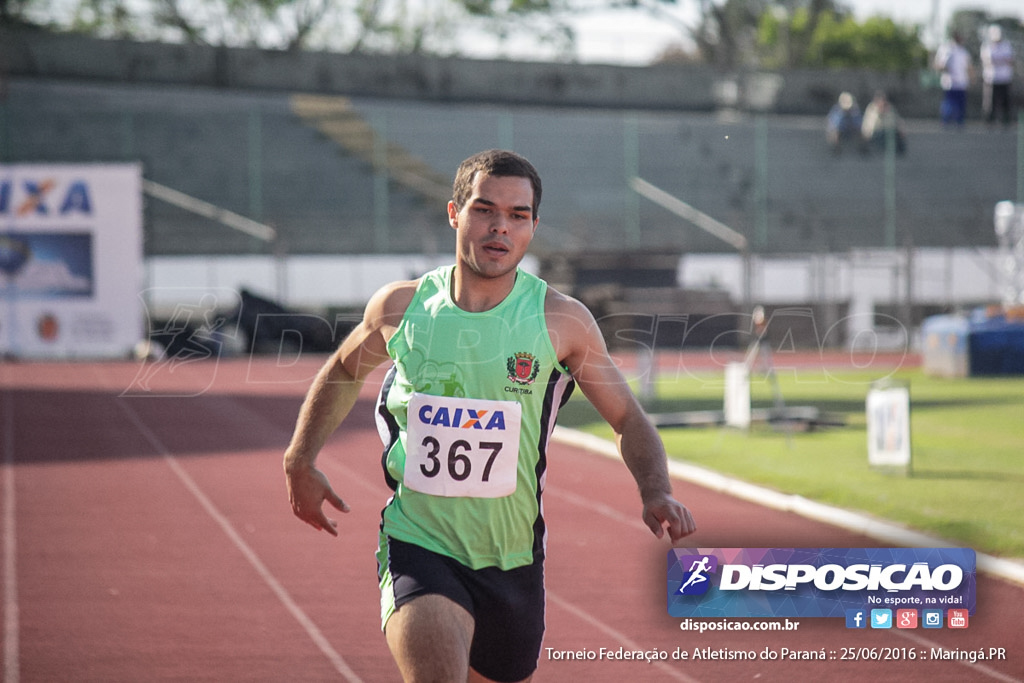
(737, 395)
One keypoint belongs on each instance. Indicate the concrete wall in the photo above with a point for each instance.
(665, 86)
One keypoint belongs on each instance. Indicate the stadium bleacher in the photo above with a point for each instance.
(772, 179)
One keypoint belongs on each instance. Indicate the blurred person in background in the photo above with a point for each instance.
(879, 118)
(843, 124)
(953, 62)
(997, 75)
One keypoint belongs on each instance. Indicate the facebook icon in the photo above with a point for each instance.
(856, 618)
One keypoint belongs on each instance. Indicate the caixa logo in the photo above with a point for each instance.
(27, 198)
(461, 418)
(696, 579)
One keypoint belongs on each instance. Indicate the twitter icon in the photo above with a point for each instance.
(881, 618)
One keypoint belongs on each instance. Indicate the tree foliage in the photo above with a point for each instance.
(757, 33)
(393, 26)
(878, 43)
(766, 34)
(835, 39)
(730, 34)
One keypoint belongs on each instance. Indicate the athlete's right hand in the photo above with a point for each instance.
(308, 488)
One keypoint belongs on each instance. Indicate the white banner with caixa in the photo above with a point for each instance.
(70, 260)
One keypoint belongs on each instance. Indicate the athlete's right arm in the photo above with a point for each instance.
(330, 398)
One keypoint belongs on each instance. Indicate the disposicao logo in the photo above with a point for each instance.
(818, 582)
(696, 580)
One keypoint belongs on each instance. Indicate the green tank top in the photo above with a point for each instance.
(465, 414)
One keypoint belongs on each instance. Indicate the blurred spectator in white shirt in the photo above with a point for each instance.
(997, 75)
(954, 62)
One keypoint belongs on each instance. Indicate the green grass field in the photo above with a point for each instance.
(966, 483)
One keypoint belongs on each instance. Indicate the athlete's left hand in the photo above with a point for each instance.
(662, 512)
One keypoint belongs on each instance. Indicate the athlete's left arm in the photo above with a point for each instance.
(581, 348)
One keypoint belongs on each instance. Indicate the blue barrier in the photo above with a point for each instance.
(986, 343)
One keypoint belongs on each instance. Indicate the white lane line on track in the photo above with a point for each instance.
(599, 508)
(12, 664)
(318, 638)
(617, 636)
(350, 477)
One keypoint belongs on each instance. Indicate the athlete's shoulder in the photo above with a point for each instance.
(559, 306)
(389, 303)
(571, 325)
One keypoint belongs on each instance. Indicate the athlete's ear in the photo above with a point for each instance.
(453, 215)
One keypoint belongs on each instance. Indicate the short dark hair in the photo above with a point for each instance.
(496, 162)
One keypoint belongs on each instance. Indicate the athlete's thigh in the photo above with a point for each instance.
(429, 638)
(509, 628)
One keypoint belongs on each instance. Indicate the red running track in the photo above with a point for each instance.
(147, 537)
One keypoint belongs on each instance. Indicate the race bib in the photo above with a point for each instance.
(462, 447)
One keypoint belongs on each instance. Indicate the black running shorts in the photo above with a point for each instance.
(507, 606)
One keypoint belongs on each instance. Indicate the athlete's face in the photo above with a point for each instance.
(495, 227)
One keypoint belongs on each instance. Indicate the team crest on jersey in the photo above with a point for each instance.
(523, 368)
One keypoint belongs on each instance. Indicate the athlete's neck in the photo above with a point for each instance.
(476, 294)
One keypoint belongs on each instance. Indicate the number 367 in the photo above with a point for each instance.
(458, 461)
